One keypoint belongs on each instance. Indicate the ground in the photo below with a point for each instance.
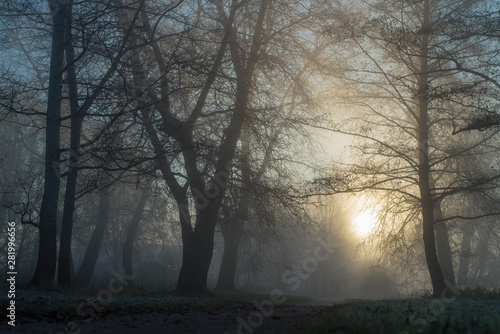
(448, 315)
(288, 319)
(61, 312)
(58, 313)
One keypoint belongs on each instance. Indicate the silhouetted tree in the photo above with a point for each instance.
(128, 245)
(47, 253)
(413, 90)
(181, 132)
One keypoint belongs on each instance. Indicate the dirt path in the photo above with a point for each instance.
(220, 319)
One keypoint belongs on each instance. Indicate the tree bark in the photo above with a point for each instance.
(86, 270)
(47, 249)
(427, 202)
(66, 273)
(437, 278)
(197, 251)
(232, 229)
(443, 246)
(128, 245)
(227, 272)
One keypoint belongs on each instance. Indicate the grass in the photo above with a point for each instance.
(473, 311)
(61, 304)
(479, 293)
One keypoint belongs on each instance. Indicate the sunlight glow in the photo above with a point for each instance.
(364, 223)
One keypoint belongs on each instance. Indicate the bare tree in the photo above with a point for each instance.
(132, 230)
(416, 93)
(207, 185)
(47, 254)
(77, 116)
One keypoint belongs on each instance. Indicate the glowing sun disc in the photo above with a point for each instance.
(364, 224)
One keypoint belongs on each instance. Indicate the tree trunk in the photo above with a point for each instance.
(128, 245)
(197, 251)
(232, 229)
(66, 273)
(47, 249)
(443, 246)
(437, 278)
(427, 203)
(86, 270)
(232, 236)
(444, 252)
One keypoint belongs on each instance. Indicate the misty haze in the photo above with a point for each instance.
(250, 166)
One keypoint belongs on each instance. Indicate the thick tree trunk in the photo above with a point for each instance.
(47, 249)
(86, 270)
(197, 251)
(427, 203)
(443, 246)
(128, 245)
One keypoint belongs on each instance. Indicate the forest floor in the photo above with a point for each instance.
(58, 312)
(404, 316)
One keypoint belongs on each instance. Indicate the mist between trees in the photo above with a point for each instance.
(195, 144)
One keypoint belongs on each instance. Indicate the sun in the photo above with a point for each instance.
(364, 223)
